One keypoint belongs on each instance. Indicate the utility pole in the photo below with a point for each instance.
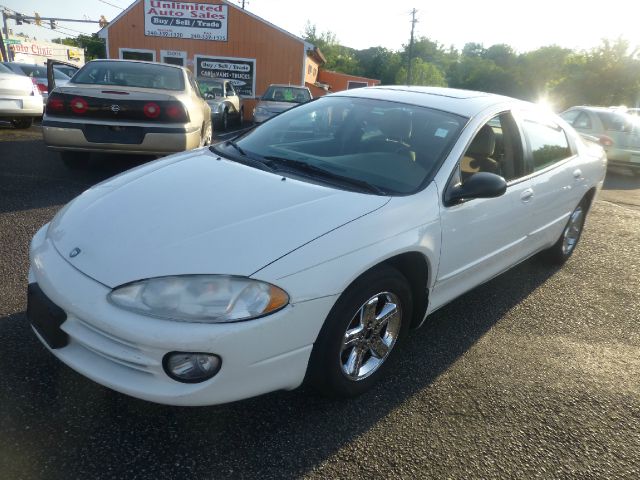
(413, 25)
(5, 51)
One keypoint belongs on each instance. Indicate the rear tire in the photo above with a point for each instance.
(361, 334)
(22, 123)
(75, 160)
(560, 252)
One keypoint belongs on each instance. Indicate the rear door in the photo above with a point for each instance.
(558, 179)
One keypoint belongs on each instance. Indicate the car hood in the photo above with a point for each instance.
(194, 214)
(276, 107)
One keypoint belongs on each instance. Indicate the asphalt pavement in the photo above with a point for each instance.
(532, 375)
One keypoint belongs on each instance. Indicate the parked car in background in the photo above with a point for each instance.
(615, 129)
(223, 99)
(279, 98)
(20, 99)
(308, 247)
(126, 106)
(38, 75)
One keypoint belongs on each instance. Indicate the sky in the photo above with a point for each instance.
(360, 24)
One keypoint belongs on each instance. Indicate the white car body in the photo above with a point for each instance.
(310, 240)
(18, 96)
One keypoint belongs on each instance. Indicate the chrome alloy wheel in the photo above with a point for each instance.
(572, 231)
(370, 336)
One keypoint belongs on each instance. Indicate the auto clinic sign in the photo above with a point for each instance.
(197, 21)
(240, 71)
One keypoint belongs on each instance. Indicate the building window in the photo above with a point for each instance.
(138, 54)
(351, 84)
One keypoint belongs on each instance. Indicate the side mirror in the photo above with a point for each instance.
(479, 185)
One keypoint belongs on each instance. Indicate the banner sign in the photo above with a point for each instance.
(197, 21)
(241, 72)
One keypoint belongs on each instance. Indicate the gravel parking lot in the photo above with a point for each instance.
(532, 375)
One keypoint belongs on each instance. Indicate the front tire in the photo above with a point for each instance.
(361, 334)
(22, 123)
(560, 252)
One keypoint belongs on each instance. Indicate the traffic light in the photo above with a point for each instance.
(37, 19)
(19, 18)
(52, 22)
(103, 21)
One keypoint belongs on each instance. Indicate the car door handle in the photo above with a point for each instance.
(577, 174)
(526, 195)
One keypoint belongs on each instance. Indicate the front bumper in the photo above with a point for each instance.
(15, 106)
(155, 140)
(124, 351)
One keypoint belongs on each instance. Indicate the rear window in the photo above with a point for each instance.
(131, 74)
(40, 71)
(616, 122)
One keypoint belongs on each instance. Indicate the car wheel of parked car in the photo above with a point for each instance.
(566, 244)
(361, 333)
(21, 123)
(224, 122)
(207, 135)
(75, 160)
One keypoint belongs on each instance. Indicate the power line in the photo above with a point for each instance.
(111, 4)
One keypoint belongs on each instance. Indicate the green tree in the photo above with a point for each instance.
(93, 46)
(422, 73)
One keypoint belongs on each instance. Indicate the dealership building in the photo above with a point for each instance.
(216, 38)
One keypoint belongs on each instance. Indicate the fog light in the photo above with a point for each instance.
(190, 367)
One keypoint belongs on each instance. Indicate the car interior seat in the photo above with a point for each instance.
(477, 158)
(396, 127)
(278, 97)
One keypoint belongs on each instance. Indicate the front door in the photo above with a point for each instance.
(483, 237)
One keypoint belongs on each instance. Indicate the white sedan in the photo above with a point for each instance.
(309, 247)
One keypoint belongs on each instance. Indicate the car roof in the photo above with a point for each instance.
(97, 60)
(286, 85)
(467, 103)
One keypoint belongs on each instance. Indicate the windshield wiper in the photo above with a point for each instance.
(306, 168)
(243, 158)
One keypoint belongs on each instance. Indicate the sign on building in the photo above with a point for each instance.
(197, 21)
(241, 72)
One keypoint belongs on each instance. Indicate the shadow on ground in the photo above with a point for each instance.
(63, 425)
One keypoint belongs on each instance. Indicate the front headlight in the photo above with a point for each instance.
(200, 298)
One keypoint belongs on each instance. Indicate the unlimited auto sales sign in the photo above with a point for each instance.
(197, 21)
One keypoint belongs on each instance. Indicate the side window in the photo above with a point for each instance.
(496, 148)
(230, 90)
(582, 121)
(570, 116)
(547, 141)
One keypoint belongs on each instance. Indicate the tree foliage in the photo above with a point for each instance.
(93, 46)
(606, 75)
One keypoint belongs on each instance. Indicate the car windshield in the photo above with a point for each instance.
(286, 94)
(387, 146)
(4, 69)
(209, 88)
(131, 74)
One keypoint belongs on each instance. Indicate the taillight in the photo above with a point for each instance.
(55, 104)
(176, 111)
(79, 105)
(151, 110)
(42, 88)
(605, 141)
